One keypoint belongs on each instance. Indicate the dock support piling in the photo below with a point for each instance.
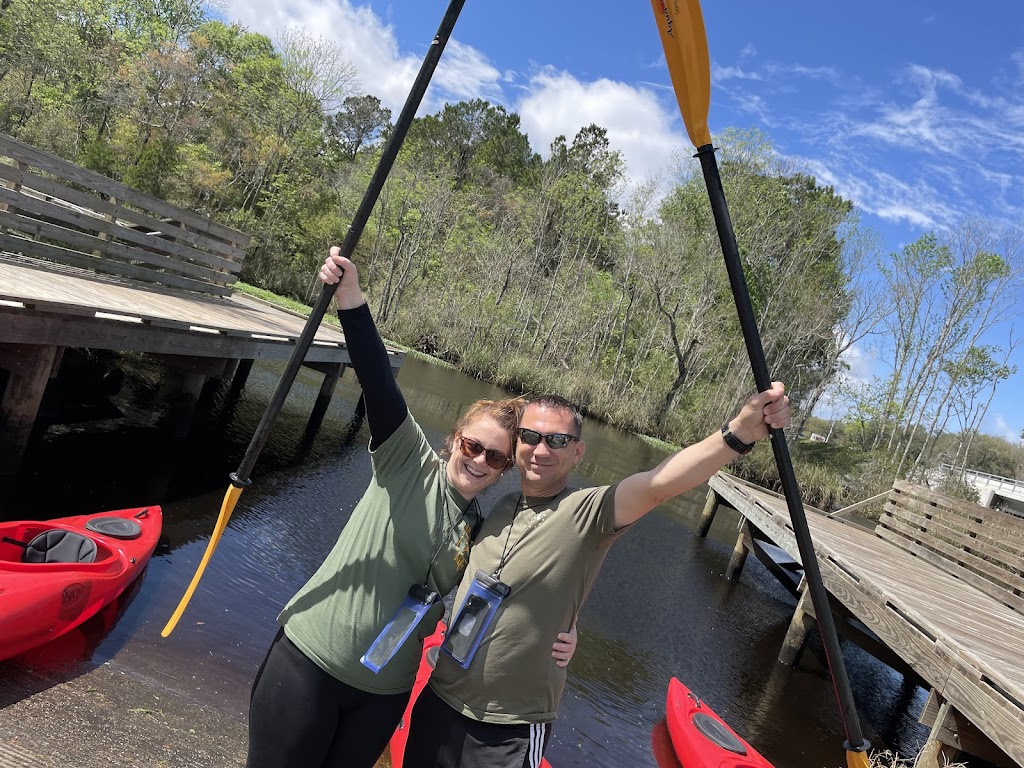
(323, 398)
(708, 515)
(241, 375)
(739, 552)
(799, 627)
(935, 754)
(30, 366)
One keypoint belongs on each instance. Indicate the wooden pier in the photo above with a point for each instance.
(938, 582)
(87, 262)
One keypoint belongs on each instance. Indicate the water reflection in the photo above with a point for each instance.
(660, 608)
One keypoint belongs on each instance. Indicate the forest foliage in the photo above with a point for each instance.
(538, 271)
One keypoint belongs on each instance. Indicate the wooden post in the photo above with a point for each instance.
(800, 625)
(181, 390)
(110, 218)
(739, 552)
(323, 399)
(241, 375)
(30, 366)
(935, 754)
(708, 515)
(953, 734)
(230, 366)
(14, 187)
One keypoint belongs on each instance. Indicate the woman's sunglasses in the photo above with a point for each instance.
(495, 459)
(554, 440)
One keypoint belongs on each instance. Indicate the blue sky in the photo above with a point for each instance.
(913, 111)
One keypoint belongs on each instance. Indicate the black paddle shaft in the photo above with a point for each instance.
(819, 597)
(240, 477)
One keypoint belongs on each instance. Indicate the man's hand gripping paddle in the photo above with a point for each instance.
(681, 28)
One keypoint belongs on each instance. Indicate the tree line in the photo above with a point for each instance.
(536, 272)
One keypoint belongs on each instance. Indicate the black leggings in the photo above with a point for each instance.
(301, 717)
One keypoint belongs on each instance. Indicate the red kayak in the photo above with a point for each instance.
(55, 574)
(397, 744)
(701, 738)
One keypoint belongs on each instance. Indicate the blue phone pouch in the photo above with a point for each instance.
(408, 616)
(475, 615)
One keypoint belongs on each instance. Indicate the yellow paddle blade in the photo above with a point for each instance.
(226, 508)
(681, 28)
(857, 760)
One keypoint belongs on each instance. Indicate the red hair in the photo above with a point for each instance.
(505, 413)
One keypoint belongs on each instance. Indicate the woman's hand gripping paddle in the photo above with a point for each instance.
(240, 478)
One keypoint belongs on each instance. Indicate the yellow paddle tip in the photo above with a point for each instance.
(226, 508)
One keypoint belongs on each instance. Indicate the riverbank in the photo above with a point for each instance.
(826, 470)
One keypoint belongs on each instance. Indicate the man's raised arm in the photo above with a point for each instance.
(686, 469)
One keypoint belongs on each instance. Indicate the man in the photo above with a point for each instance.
(546, 545)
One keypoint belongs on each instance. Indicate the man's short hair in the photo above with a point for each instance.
(559, 403)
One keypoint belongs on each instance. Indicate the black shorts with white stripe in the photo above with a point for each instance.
(440, 737)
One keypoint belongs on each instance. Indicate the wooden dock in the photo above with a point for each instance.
(938, 582)
(88, 262)
(44, 310)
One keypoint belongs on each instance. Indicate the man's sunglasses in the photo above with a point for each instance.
(495, 459)
(554, 440)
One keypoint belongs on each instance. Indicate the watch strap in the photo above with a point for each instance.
(734, 442)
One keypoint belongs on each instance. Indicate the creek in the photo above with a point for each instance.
(661, 606)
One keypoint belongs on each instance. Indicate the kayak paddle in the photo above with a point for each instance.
(681, 28)
(240, 477)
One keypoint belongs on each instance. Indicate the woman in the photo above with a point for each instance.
(334, 685)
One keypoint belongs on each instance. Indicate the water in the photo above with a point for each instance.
(660, 608)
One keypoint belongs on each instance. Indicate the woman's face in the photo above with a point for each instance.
(471, 474)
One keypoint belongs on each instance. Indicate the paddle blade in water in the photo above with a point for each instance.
(681, 28)
(226, 508)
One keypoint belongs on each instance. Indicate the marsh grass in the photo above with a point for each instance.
(888, 759)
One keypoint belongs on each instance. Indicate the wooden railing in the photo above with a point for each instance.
(983, 547)
(59, 212)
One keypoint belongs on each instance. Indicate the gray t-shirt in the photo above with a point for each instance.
(407, 510)
(554, 551)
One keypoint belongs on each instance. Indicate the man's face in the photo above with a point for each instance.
(544, 470)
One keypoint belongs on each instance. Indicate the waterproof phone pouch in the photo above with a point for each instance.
(475, 615)
(408, 616)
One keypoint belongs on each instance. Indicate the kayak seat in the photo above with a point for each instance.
(59, 546)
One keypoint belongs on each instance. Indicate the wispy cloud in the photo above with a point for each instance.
(999, 426)
(925, 149)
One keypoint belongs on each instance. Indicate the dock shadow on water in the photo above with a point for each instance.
(661, 607)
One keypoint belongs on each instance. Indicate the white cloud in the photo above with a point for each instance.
(370, 44)
(556, 103)
(882, 194)
(465, 73)
(551, 102)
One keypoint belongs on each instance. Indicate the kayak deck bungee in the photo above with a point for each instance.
(700, 738)
(56, 574)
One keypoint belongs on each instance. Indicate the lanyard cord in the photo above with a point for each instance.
(445, 511)
(506, 551)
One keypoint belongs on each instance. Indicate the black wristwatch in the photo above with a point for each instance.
(734, 442)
